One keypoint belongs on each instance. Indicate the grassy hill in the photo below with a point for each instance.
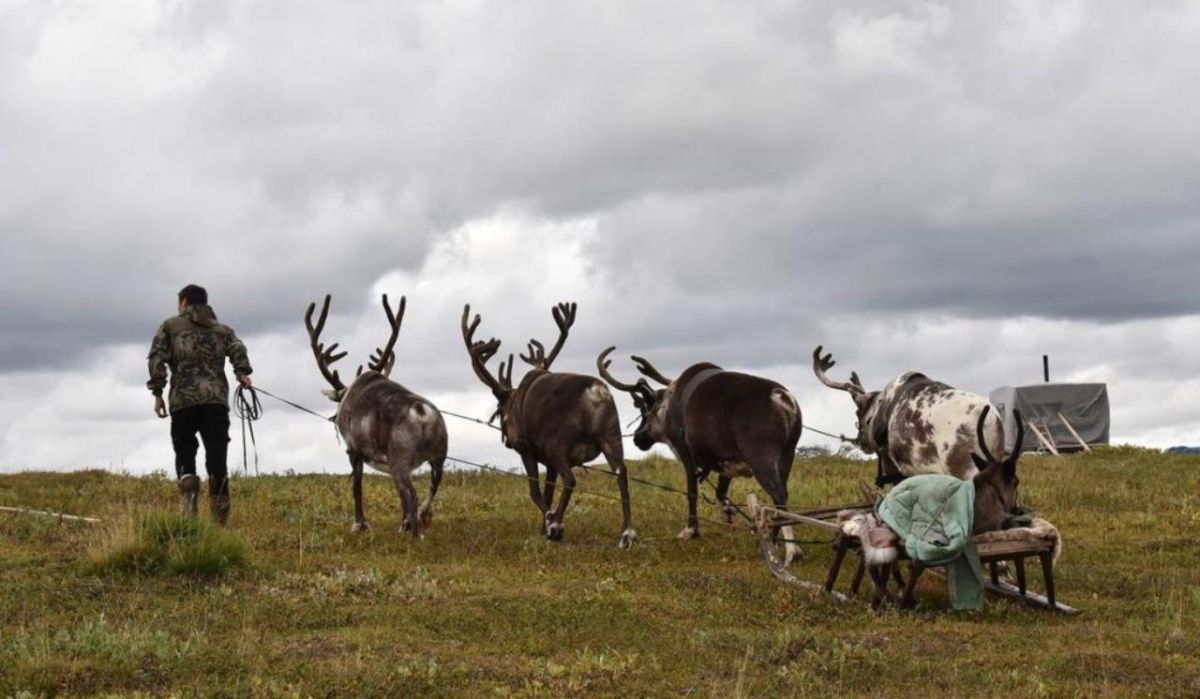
(484, 606)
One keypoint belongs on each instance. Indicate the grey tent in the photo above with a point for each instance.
(1064, 414)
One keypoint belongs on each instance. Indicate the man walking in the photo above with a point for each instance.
(194, 345)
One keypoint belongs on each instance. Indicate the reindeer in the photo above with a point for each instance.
(383, 423)
(716, 420)
(915, 424)
(995, 496)
(557, 419)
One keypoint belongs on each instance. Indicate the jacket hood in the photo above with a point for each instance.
(200, 314)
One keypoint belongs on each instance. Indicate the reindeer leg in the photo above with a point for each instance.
(692, 530)
(535, 490)
(425, 514)
(554, 531)
(768, 478)
(909, 600)
(723, 495)
(879, 577)
(356, 478)
(551, 482)
(402, 478)
(615, 457)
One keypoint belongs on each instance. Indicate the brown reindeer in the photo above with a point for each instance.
(383, 423)
(557, 419)
(995, 496)
(996, 483)
(715, 420)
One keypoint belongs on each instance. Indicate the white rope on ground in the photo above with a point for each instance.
(59, 515)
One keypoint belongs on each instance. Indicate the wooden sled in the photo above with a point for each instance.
(991, 554)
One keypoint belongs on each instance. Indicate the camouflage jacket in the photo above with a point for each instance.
(194, 345)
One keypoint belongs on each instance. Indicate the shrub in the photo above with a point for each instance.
(160, 543)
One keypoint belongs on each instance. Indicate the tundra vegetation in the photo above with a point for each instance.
(488, 607)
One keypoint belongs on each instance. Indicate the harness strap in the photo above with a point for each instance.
(679, 405)
(519, 414)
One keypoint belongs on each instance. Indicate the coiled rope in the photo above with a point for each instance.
(249, 410)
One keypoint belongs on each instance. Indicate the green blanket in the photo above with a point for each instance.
(934, 515)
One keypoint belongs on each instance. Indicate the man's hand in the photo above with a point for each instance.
(160, 406)
(244, 380)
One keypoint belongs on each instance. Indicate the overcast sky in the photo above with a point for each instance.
(955, 188)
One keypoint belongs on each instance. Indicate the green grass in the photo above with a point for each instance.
(484, 606)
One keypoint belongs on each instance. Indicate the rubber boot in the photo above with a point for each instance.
(219, 505)
(189, 494)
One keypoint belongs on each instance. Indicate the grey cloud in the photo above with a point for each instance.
(971, 160)
(760, 178)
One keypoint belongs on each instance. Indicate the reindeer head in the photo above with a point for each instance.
(651, 403)
(996, 483)
(381, 361)
(502, 384)
(863, 400)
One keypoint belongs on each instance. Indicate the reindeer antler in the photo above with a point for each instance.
(983, 447)
(481, 352)
(1016, 454)
(602, 365)
(325, 356)
(824, 364)
(640, 390)
(649, 371)
(384, 357)
(1011, 461)
(564, 318)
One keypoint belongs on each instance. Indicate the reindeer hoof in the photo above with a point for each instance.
(688, 534)
(628, 538)
(729, 515)
(791, 554)
(555, 531)
(360, 526)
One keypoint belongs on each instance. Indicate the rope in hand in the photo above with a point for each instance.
(248, 410)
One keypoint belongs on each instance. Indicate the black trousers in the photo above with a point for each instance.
(212, 423)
